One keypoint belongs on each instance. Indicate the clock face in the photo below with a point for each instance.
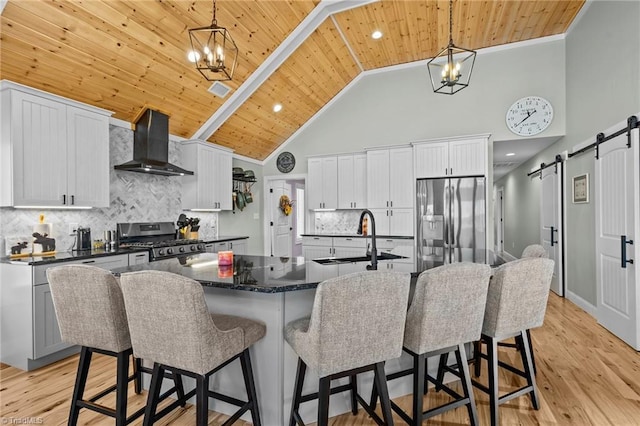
(529, 116)
(286, 162)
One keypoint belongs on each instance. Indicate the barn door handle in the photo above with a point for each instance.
(552, 231)
(623, 251)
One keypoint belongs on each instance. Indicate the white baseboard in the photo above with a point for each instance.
(582, 304)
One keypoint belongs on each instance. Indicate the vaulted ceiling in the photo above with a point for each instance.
(128, 55)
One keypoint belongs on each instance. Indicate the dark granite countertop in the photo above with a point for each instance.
(66, 256)
(262, 274)
(399, 237)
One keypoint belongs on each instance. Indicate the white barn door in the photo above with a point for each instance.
(551, 223)
(617, 192)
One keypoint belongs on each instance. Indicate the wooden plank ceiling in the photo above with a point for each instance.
(127, 55)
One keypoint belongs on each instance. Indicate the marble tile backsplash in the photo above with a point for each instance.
(336, 222)
(135, 197)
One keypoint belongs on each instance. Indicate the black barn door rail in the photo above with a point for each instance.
(543, 166)
(632, 123)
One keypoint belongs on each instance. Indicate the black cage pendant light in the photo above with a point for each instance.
(213, 51)
(450, 70)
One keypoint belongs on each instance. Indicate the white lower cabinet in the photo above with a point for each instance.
(236, 246)
(29, 332)
(46, 333)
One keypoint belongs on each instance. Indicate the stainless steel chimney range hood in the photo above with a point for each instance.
(151, 147)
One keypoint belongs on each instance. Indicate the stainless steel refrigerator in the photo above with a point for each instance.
(451, 221)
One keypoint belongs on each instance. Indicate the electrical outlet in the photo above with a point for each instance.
(72, 228)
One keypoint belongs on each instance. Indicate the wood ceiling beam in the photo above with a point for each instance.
(321, 12)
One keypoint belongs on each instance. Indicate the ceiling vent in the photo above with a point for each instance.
(219, 89)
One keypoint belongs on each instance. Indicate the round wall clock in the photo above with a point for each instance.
(529, 116)
(286, 162)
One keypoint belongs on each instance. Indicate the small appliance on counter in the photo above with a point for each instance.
(83, 239)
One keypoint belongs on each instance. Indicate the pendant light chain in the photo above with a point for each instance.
(450, 22)
(214, 22)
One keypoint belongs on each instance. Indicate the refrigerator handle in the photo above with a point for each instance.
(447, 223)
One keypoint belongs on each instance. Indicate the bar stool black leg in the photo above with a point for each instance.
(463, 367)
(419, 383)
(247, 372)
(81, 381)
(202, 400)
(380, 382)
(137, 372)
(177, 381)
(353, 380)
(477, 348)
(122, 383)
(444, 358)
(492, 353)
(533, 359)
(323, 401)
(527, 362)
(297, 391)
(154, 394)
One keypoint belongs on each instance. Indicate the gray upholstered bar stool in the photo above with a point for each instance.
(171, 325)
(534, 250)
(90, 312)
(516, 302)
(446, 312)
(356, 324)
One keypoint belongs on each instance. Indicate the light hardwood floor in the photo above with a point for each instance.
(586, 376)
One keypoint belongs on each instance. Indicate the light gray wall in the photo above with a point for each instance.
(603, 88)
(399, 106)
(243, 222)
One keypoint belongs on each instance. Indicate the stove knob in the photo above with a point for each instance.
(161, 252)
(193, 248)
(200, 247)
(170, 251)
(181, 249)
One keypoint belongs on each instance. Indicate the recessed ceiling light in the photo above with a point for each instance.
(277, 107)
(511, 154)
(376, 34)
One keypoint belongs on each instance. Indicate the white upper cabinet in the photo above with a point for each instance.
(53, 151)
(391, 190)
(352, 181)
(322, 187)
(455, 157)
(390, 178)
(210, 186)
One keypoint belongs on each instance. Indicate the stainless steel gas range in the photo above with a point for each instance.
(158, 237)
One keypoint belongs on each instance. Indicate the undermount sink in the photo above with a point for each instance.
(367, 258)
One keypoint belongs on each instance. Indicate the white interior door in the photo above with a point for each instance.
(281, 229)
(551, 223)
(617, 195)
(498, 213)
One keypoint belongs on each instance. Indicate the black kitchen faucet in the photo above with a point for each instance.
(374, 250)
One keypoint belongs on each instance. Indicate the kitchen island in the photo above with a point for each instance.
(275, 291)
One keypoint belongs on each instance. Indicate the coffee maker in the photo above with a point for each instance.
(83, 239)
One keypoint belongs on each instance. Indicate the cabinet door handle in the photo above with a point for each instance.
(387, 212)
(552, 231)
(446, 171)
(140, 255)
(89, 261)
(73, 200)
(623, 251)
(354, 204)
(64, 199)
(391, 203)
(387, 203)
(316, 238)
(391, 212)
